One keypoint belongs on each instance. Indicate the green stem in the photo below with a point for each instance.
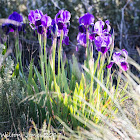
(54, 49)
(41, 59)
(87, 49)
(45, 56)
(118, 82)
(59, 54)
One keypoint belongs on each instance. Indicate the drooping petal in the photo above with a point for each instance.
(38, 22)
(40, 29)
(124, 65)
(60, 25)
(110, 65)
(98, 41)
(81, 38)
(66, 40)
(82, 29)
(65, 31)
(103, 49)
(87, 19)
(92, 36)
(107, 40)
(49, 35)
(98, 27)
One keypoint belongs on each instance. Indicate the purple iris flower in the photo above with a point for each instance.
(59, 23)
(19, 25)
(122, 62)
(35, 18)
(39, 21)
(104, 39)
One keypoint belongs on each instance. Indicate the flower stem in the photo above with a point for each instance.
(41, 59)
(59, 54)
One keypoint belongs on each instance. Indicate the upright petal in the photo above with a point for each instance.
(46, 20)
(65, 15)
(125, 53)
(87, 19)
(108, 26)
(16, 16)
(38, 14)
(98, 27)
(31, 17)
(116, 57)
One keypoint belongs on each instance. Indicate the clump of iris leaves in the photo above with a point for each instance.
(70, 90)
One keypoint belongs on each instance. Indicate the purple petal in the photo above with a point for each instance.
(110, 65)
(38, 22)
(98, 27)
(40, 29)
(116, 57)
(16, 16)
(92, 36)
(60, 25)
(87, 19)
(107, 40)
(31, 17)
(38, 14)
(98, 41)
(49, 35)
(65, 31)
(82, 29)
(125, 53)
(46, 20)
(65, 15)
(124, 65)
(66, 40)
(103, 50)
(108, 26)
(81, 38)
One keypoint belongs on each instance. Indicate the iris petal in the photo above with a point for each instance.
(81, 38)
(16, 16)
(124, 66)
(98, 27)
(103, 50)
(82, 29)
(46, 20)
(87, 19)
(66, 40)
(40, 29)
(110, 65)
